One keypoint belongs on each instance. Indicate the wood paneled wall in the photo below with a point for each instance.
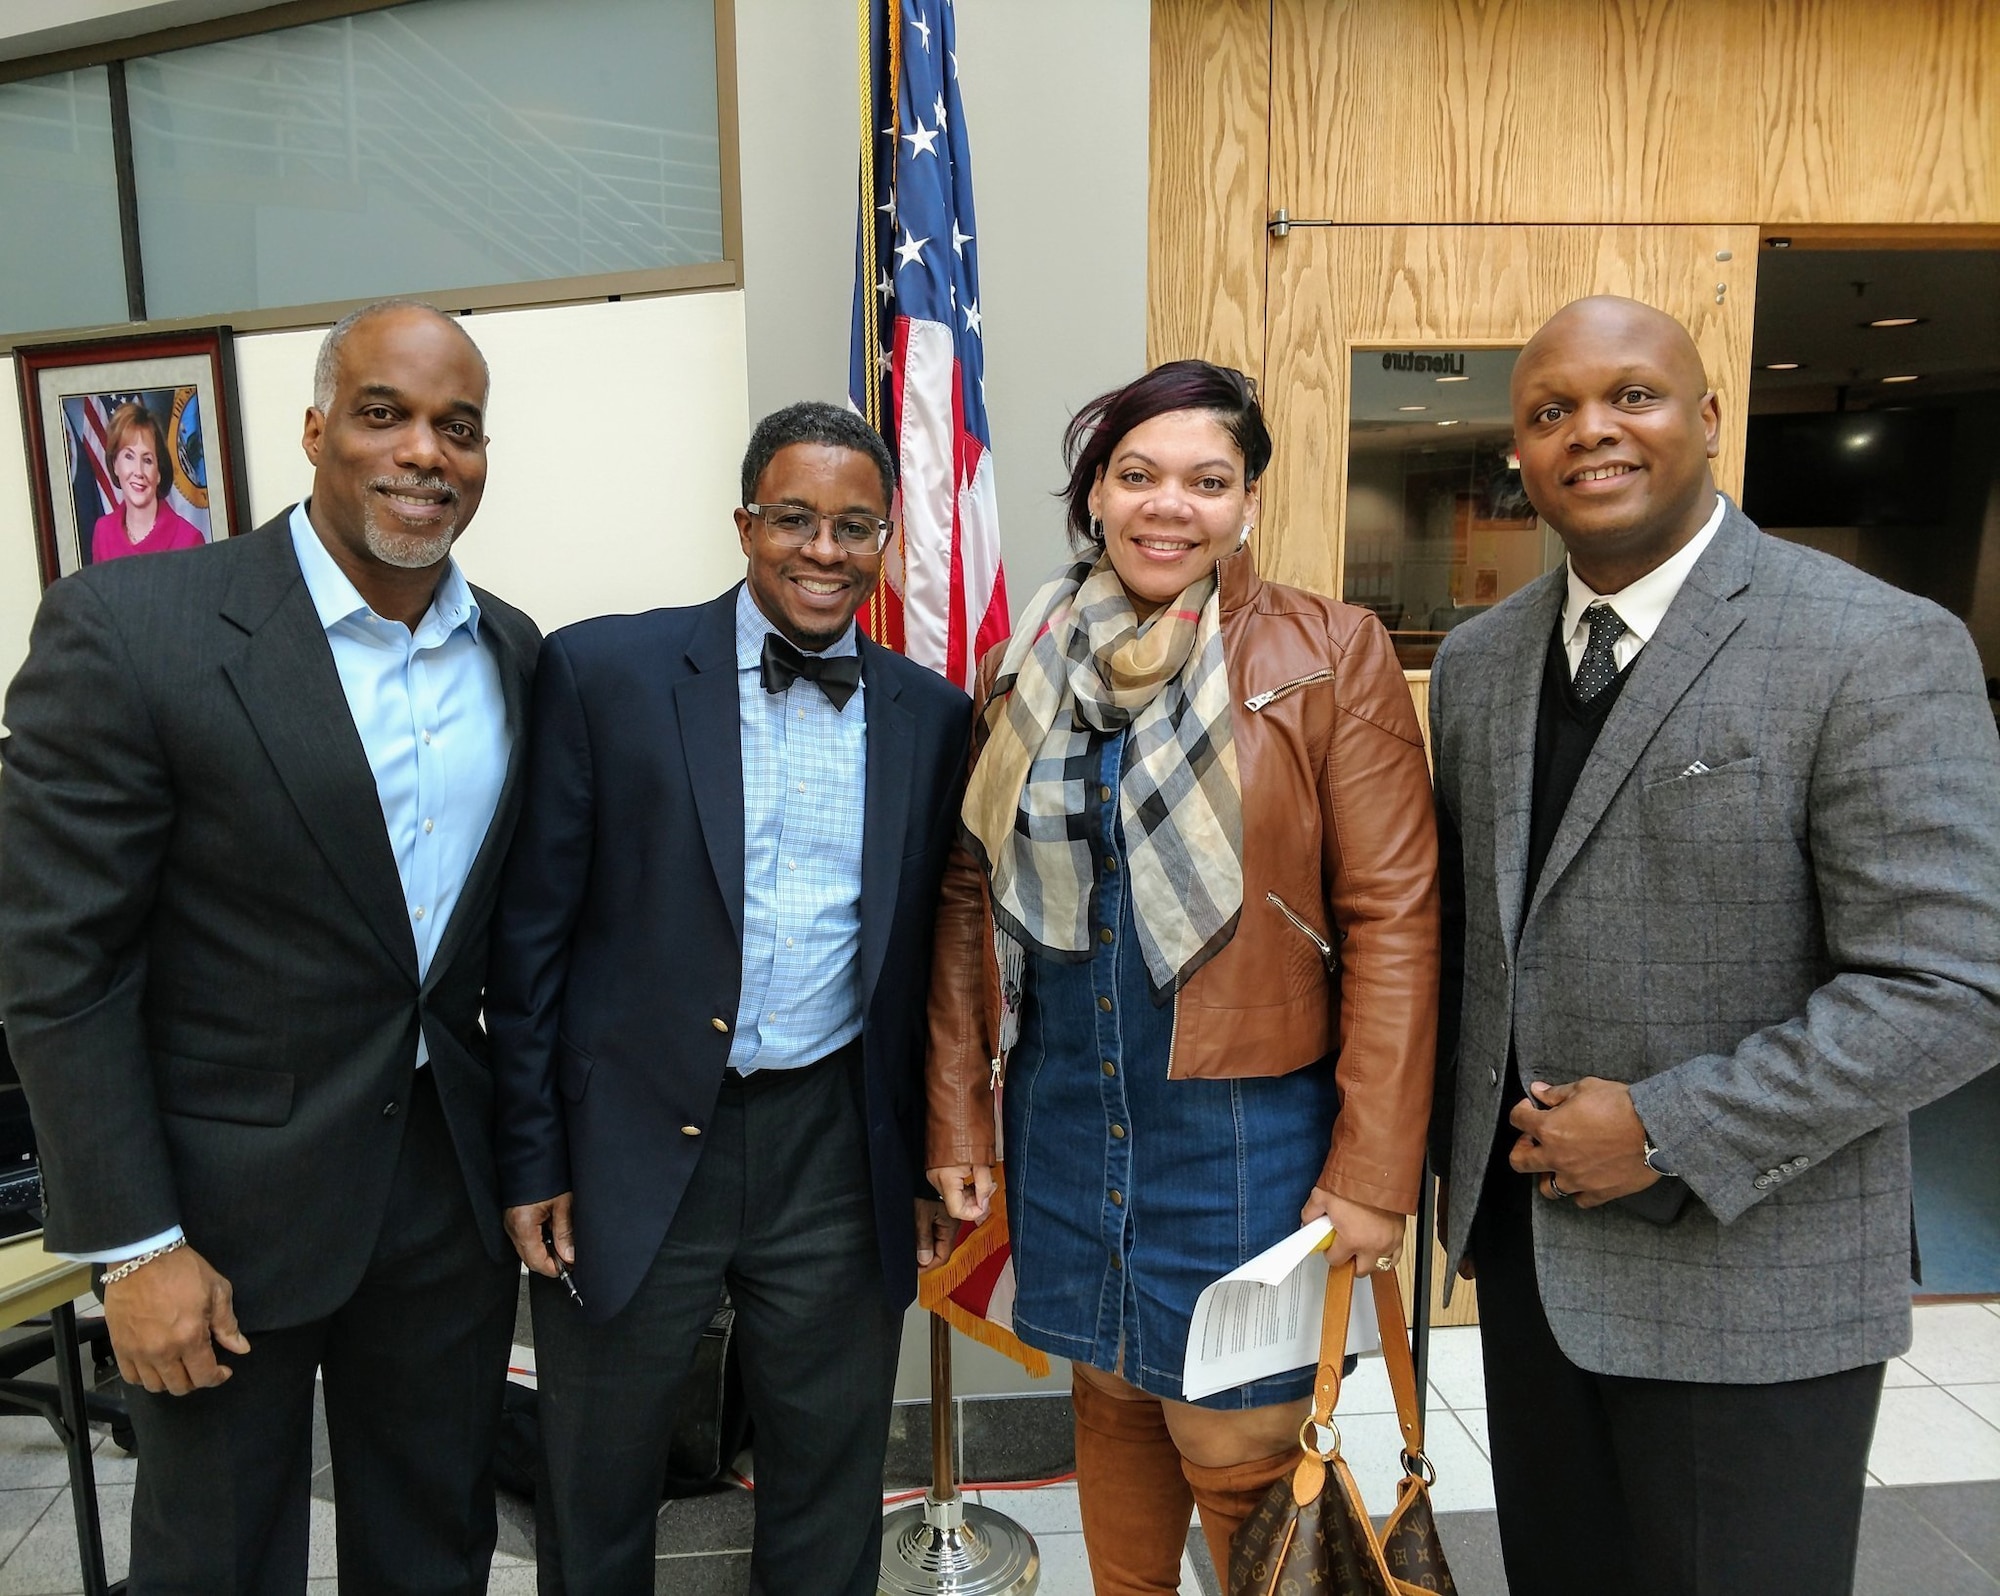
(1210, 168)
(1773, 111)
(1333, 288)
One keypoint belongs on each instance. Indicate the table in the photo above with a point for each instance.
(34, 1281)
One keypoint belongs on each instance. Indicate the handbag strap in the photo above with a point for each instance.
(1395, 1351)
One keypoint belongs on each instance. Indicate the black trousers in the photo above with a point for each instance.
(411, 1367)
(779, 1210)
(1656, 1487)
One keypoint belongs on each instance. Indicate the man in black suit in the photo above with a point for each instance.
(710, 973)
(251, 823)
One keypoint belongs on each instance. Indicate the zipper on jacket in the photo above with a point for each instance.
(1259, 700)
(1327, 955)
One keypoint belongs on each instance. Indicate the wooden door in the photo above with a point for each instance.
(1334, 290)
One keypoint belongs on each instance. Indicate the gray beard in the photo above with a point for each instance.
(410, 551)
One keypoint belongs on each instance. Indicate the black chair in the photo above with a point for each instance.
(67, 1404)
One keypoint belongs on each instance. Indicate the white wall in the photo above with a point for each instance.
(1055, 96)
(617, 432)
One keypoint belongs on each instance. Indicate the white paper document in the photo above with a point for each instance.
(1263, 1317)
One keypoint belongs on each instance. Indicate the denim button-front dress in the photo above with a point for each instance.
(1128, 1192)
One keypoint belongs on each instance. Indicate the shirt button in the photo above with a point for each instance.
(1117, 1262)
(1111, 864)
(772, 1015)
(427, 738)
(1104, 795)
(429, 826)
(1492, 1076)
(802, 786)
(1104, 1003)
(1117, 1199)
(791, 864)
(788, 941)
(1105, 934)
(1110, 1068)
(720, 1024)
(1118, 1133)
(690, 1130)
(420, 911)
(391, 1109)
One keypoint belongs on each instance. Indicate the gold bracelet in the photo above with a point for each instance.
(113, 1276)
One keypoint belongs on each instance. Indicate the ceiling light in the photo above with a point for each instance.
(1911, 378)
(1454, 379)
(1898, 321)
(1413, 407)
(1447, 423)
(1783, 365)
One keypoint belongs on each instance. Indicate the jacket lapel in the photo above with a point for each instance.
(711, 725)
(892, 742)
(291, 691)
(514, 680)
(1516, 705)
(1697, 623)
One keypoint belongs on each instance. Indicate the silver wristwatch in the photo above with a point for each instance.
(1656, 1161)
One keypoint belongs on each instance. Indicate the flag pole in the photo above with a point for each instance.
(949, 1544)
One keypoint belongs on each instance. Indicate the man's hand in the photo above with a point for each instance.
(936, 1232)
(1367, 1235)
(967, 1189)
(166, 1319)
(1585, 1143)
(524, 1229)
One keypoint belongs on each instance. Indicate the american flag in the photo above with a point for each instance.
(917, 371)
(917, 363)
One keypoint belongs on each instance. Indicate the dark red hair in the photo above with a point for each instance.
(1095, 431)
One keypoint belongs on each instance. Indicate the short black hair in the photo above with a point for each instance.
(1095, 431)
(810, 421)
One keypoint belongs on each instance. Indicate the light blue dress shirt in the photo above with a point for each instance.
(433, 722)
(805, 784)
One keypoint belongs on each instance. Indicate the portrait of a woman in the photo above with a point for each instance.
(142, 522)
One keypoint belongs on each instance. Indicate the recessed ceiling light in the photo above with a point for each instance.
(1413, 407)
(1911, 378)
(1454, 379)
(1447, 423)
(1783, 365)
(1898, 321)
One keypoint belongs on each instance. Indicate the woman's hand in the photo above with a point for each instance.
(967, 1189)
(1372, 1237)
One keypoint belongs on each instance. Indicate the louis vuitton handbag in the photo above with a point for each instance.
(1311, 1533)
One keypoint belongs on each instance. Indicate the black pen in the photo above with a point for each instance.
(562, 1269)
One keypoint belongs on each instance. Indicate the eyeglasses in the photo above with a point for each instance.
(793, 526)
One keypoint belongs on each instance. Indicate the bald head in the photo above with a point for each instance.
(326, 369)
(1615, 425)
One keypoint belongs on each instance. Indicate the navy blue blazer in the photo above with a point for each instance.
(617, 958)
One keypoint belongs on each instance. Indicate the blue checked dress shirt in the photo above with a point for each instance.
(433, 722)
(805, 782)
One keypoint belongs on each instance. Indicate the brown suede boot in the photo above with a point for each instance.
(1135, 1502)
(1228, 1496)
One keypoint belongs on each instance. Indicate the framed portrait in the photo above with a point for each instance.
(133, 446)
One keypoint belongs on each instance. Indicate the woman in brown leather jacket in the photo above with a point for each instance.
(1199, 816)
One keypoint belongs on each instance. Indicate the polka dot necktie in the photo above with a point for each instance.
(1600, 664)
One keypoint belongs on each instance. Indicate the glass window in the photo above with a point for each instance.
(443, 144)
(1438, 527)
(61, 263)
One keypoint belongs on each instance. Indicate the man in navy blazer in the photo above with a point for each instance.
(707, 1007)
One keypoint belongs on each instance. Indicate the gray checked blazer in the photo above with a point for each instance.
(1773, 908)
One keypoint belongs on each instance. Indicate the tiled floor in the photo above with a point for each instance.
(1932, 1524)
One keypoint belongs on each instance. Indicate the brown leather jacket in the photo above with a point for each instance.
(1339, 854)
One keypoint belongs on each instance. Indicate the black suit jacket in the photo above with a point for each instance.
(208, 977)
(618, 949)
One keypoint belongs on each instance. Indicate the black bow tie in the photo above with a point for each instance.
(838, 674)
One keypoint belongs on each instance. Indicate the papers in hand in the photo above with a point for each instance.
(1263, 1317)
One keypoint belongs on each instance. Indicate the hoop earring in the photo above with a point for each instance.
(1096, 530)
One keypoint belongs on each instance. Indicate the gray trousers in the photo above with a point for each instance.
(779, 1210)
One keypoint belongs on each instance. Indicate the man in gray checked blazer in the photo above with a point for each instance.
(1721, 827)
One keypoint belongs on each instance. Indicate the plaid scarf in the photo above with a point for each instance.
(1080, 664)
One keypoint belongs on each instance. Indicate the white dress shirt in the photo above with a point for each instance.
(1641, 605)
